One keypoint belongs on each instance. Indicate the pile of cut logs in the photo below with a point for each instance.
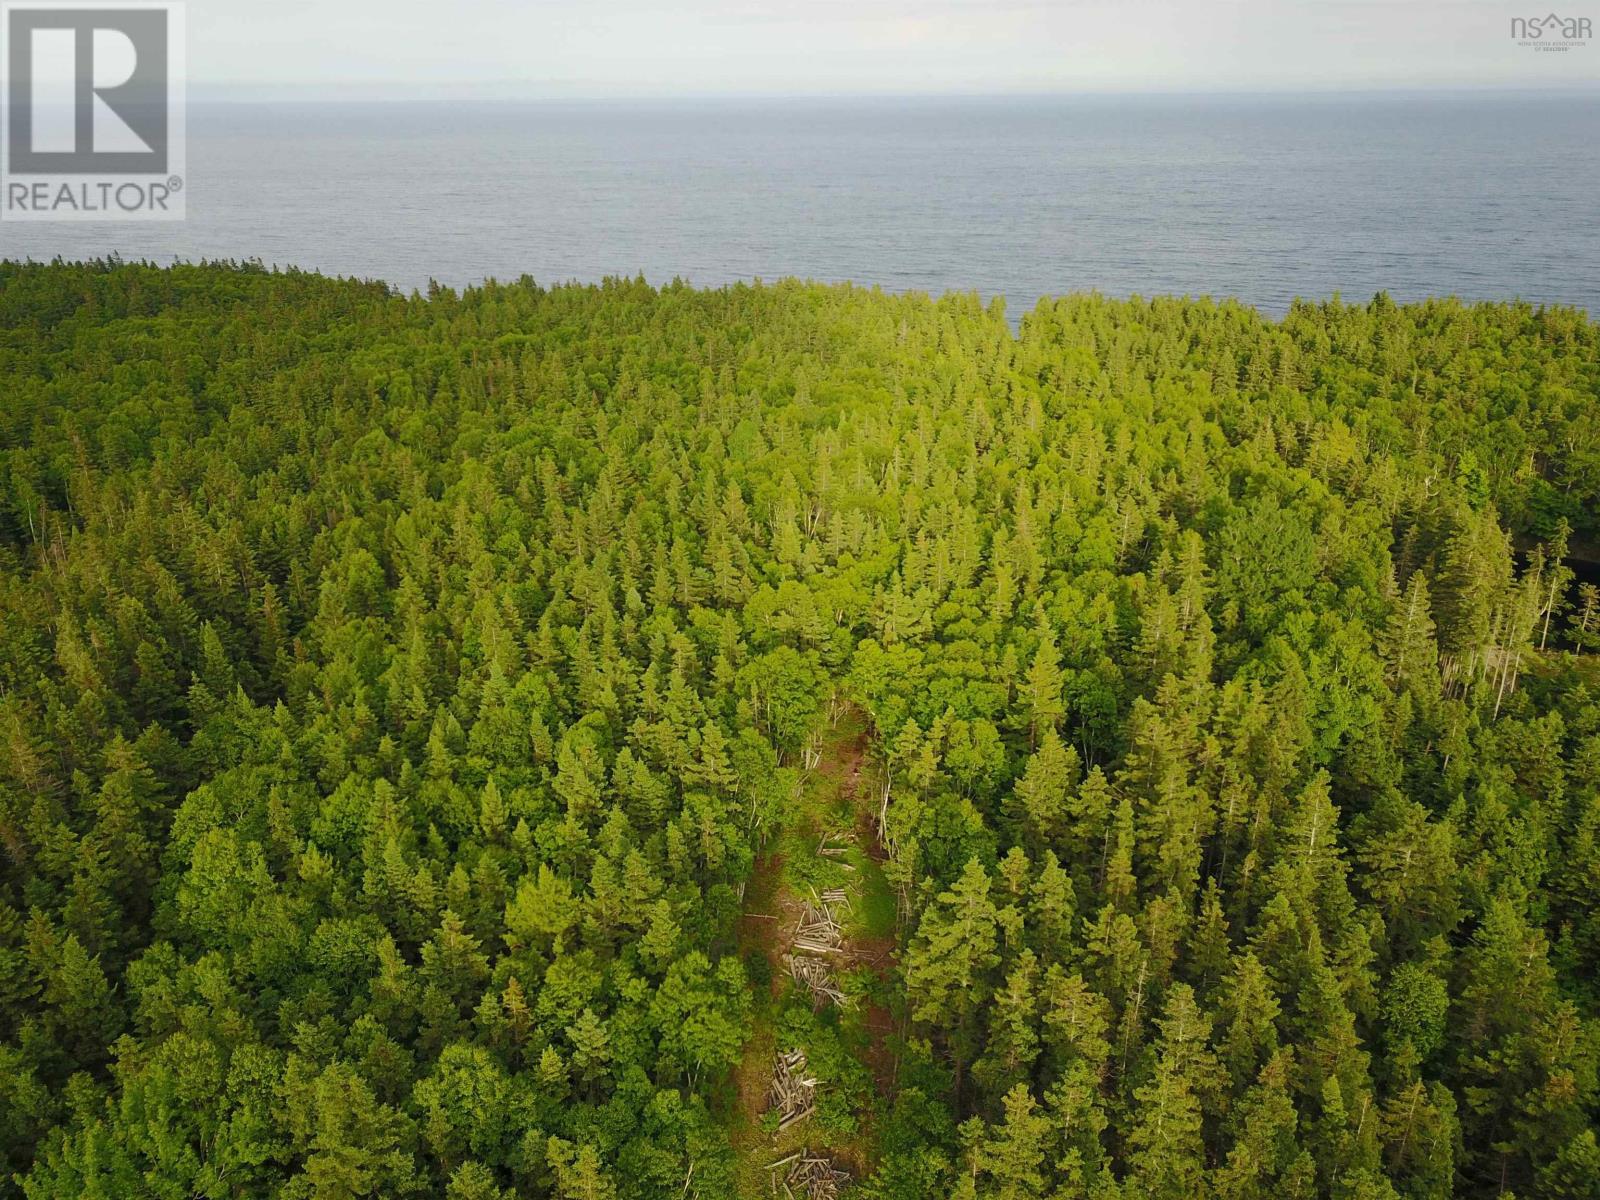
(819, 933)
(813, 975)
(809, 1177)
(819, 930)
(792, 1094)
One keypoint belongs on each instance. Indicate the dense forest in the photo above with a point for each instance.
(397, 694)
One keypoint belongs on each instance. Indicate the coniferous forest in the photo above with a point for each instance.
(426, 721)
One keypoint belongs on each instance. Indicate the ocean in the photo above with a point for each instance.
(1263, 198)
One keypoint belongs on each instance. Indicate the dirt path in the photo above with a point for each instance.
(876, 950)
(836, 805)
(760, 934)
(764, 921)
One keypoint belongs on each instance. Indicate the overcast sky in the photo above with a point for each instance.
(710, 47)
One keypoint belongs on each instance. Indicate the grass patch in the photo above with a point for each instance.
(876, 909)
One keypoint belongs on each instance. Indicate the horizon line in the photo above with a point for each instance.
(404, 91)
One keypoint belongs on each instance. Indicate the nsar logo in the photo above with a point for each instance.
(1551, 32)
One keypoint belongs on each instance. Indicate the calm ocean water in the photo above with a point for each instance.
(1482, 196)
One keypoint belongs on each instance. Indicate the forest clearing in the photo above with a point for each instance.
(818, 909)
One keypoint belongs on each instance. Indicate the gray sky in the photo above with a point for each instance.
(709, 47)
